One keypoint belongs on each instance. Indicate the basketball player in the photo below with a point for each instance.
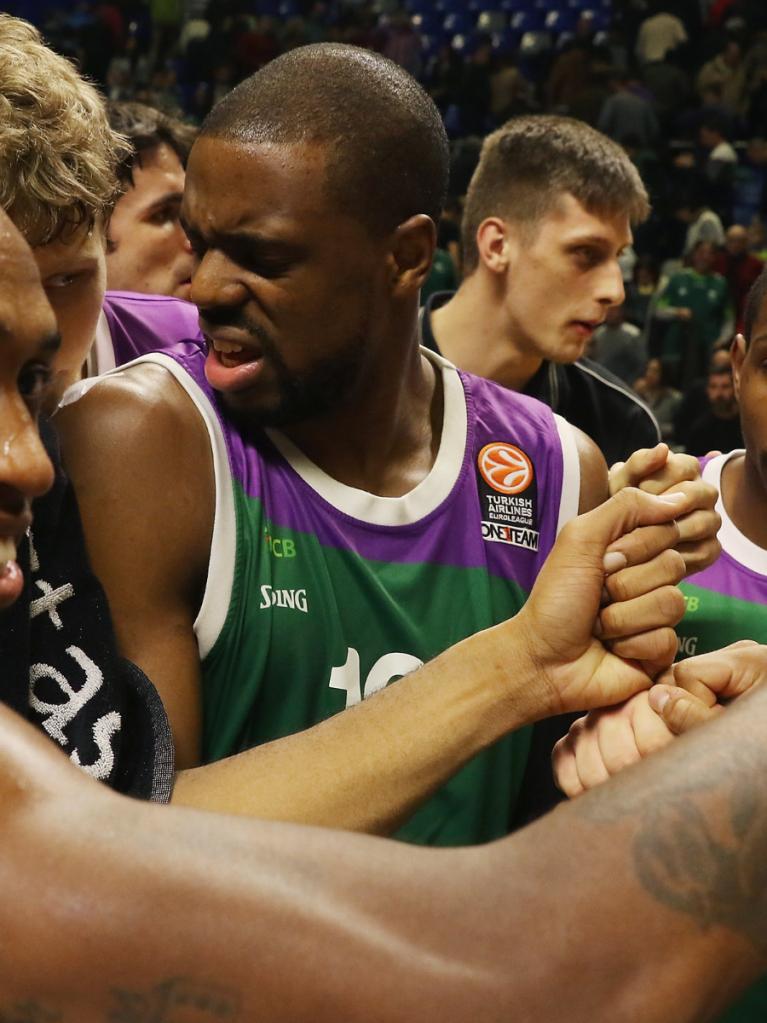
(343, 508)
(147, 250)
(59, 159)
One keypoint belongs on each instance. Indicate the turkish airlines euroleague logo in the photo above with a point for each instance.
(505, 467)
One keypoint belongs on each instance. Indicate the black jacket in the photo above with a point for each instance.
(585, 394)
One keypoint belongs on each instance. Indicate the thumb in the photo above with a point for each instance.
(679, 710)
(640, 465)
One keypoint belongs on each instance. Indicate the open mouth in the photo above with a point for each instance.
(585, 327)
(231, 354)
(231, 366)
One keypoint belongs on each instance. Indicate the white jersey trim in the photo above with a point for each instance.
(218, 585)
(101, 358)
(735, 543)
(570, 498)
(430, 493)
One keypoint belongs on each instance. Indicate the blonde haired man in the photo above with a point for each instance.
(58, 183)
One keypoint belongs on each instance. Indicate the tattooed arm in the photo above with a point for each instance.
(646, 896)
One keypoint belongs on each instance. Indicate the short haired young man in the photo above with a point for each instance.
(147, 250)
(548, 212)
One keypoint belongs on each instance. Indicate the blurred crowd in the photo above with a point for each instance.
(680, 84)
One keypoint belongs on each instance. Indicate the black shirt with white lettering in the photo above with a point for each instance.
(61, 668)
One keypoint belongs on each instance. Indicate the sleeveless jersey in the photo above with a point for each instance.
(132, 325)
(724, 603)
(318, 594)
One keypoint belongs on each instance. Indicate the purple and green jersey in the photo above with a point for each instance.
(318, 594)
(725, 603)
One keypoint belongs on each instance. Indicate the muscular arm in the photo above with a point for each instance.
(127, 910)
(138, 455)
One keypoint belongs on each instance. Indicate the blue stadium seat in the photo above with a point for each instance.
(491, 21)
(505, 42)
(560, 21)
(516, 6)
(427, 23)
(458, 23)
(527, 21)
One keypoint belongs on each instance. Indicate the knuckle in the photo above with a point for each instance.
(673, 565)
(611, 619)
(671, 603)
(618, 587)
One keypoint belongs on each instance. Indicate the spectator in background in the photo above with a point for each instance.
(728, 72)
(619, 346)
(627, 115)
(661, 398)
(510, 91)
(659, 34)
(718, 429)
(476, 92)
(694, 401)
(704, 224)
(720, 164)
(670, 88)
(696, 304)
(403, 44)
(641, 294)
(147, 250)
(739, 268)
(721, 155)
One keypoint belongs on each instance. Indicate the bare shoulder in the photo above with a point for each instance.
(129, 405)
(594, 489)
(138, 454)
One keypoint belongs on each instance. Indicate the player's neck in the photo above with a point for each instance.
(472, 330)
(744, 496)
(386, 440)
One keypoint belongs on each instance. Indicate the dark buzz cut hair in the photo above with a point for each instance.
(386, 144)
(756, 297)
(146, 129)
(530, 162)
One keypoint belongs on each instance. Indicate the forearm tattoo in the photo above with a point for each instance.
(28, 1012)
(700, 845)
(175, 1001)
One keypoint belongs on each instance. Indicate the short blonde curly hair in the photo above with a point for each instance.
(58, 154)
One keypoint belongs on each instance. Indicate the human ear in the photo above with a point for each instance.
(493, 244)
(412, 251)
(737, 357)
